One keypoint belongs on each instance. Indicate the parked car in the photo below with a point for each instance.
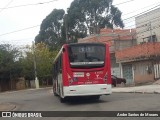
(116, 80)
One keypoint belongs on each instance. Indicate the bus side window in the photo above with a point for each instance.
(57, 68)
(60, 64)
(54, 71)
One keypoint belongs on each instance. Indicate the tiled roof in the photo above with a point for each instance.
(107, 35)
(139, 52)
(95, 38)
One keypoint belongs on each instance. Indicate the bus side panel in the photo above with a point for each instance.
(108, 64)
(64, 67)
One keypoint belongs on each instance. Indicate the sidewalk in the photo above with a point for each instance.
(155, 88)
(7, 106)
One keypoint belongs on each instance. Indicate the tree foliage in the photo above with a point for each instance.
(43, 58)
(27, 63)
(92, 15)
(83, 17)
(9, 65)
(51, 30)
(14, 64)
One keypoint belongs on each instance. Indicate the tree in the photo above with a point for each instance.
(92, 15)
(8, 59)
(44, 59)
(51, 29)
(27, 63)
(9, 64)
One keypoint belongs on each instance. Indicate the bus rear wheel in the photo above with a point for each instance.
(62, 100)
(55, 94)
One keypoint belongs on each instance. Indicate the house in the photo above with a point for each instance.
(117, 39)
(141, 63)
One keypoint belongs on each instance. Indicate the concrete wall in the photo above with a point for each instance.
(122, 44)
(143, 72)
(115, 70)
(20, 84)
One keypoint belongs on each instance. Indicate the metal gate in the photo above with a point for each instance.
(157, 70)
(127, 74)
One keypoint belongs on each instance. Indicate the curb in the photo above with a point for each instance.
(154, 92)
(148, 89)
(31, 89)
(7, 107)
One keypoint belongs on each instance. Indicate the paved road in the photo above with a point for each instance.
(43, 100)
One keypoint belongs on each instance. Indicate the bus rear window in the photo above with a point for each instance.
(86, 55)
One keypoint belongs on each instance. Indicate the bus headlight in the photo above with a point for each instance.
(70, 81)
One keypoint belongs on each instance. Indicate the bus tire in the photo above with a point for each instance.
(62, 100)
(55, 94)
(97, 97)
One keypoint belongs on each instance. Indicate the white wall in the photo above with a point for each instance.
(148, 24)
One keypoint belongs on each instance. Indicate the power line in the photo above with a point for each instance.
(153, 20)
(149, 10)
(39, 25)
(29, 4)
(124, 2)
(52, 1)
(16, 40)
(6, 6)
(143, 12)
(140, 9)
(19, 30)
(141, 23)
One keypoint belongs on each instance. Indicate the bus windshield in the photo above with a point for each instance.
(84, 56)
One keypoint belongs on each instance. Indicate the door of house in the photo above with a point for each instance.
(127, 73)
(157, 70)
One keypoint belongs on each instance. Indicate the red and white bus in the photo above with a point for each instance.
(82, 69)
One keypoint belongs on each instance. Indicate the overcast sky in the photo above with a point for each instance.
(19, 18)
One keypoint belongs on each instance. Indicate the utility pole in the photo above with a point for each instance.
(35, 67)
